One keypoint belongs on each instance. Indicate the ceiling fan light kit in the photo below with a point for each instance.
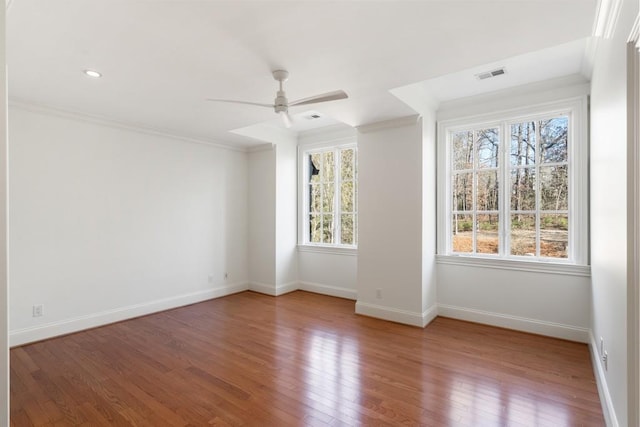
(281, 104)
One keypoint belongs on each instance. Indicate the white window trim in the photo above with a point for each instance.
(303, 196)
(577, 108)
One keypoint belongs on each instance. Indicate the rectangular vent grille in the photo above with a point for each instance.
(492, 73)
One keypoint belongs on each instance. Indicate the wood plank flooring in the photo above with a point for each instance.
(300, 359)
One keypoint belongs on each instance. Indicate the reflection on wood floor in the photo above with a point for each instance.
(300, 360)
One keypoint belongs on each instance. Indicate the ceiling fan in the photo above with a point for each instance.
(281, 104)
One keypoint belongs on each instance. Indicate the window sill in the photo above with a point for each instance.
(333, 250)
(517, 265)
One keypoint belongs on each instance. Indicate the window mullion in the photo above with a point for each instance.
(505, 193)
(337, 198)
(321, 186)
(537, 160)
(474, 193)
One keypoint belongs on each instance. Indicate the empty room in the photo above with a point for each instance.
(320, 213)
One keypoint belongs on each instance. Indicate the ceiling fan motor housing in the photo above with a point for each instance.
(281, 104)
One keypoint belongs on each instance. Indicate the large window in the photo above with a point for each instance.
(331, 186)
(515, 187)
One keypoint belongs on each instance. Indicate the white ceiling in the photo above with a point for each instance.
(161, 59)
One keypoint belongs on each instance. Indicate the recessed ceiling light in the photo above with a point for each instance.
(93, 73)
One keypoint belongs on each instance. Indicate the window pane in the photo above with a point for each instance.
(462, 233)
(488, 144)
(462, 150)
(315, 224)
(554, 235)
(523, 189)
(327, 228)
(347, 229)
(327, 197)
(328, 164)
(523, 144)
(315, 162)
(553, 139)
(487, 198)
(346, 196)
(462, 192)
(487, 234)
(523, 235)
(346, 165)
(315, 201)
(554, 188)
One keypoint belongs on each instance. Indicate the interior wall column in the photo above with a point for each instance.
(633, 219)
(4, 288)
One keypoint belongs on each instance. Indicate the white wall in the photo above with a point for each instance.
(608, 210)
(328, 272)
(273, 216)
(286, 214)
(429, 211)
(108, 223)
(262, 220)
(544, 303)
(390, 221)
(4, 288)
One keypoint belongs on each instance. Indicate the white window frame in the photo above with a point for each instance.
(303, 223)
(576, 109)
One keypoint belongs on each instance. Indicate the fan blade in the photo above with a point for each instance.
(286, 119)
(329, 96)
(240, 102)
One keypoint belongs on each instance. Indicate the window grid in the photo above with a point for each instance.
(504, 197)
(475, 171)
(332, 215)
(537, 165)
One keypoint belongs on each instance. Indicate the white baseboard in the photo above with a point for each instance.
(273, 290)
(608, 410)
(429, 314)
(75, 324)
(534, 326)
(333, 291)
(397, 315)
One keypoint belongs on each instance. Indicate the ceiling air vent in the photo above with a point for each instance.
(493, 73)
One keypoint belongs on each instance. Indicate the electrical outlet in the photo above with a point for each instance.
(226, 276)
(379, 293)
(38, 310)
(605, 360)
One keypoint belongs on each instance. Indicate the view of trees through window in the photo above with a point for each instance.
(332, 184)
(536, 186)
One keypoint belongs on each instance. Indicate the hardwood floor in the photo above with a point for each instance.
(300, 359)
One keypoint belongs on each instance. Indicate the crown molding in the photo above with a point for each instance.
(112, 123)
(604, 24)
(386, 124)
(261, 147)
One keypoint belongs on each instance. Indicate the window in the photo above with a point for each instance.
(515, 187)
(330, 211)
